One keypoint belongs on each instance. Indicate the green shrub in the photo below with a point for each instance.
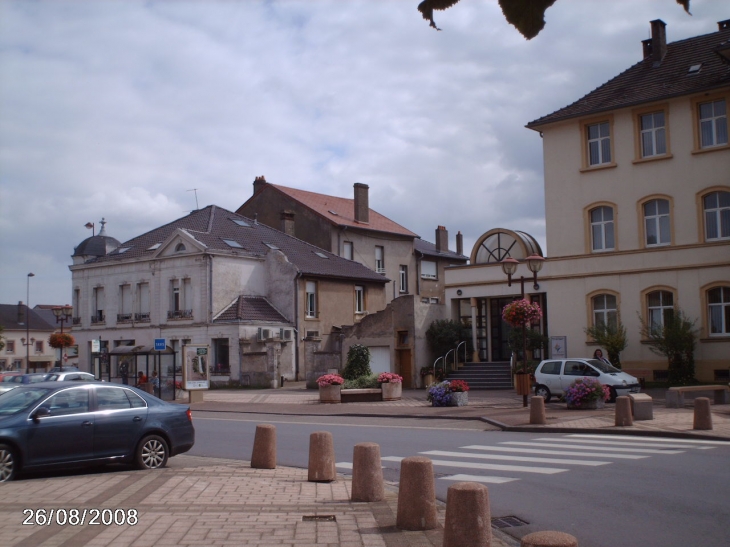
(611, 337)
(445, 334)
(676, 341)
(358, 362)
(363, 382)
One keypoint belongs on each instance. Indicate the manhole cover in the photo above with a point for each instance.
(507, 522)
(319, 518)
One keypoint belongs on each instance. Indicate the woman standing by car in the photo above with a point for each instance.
(598, 354)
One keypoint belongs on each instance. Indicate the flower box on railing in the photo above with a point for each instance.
(180, 314)
(124, 317)
(142, 317)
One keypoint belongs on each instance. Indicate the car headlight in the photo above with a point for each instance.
(625, 383)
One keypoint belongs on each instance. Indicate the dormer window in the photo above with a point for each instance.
(232, 243)
(180, 247)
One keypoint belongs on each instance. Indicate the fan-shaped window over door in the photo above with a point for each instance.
(496, 245)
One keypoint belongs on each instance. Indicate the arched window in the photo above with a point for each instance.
(660, 305)
(602, 229)
(717, 215)
(718, 302)
(605, 310)
(180, 247)
(656, 222)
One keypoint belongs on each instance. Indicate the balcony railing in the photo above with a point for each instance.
(142, 317)
(180, 314)
(98, 318)
(124, 317)
(76, 320)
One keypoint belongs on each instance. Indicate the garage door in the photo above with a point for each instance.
(380, 359)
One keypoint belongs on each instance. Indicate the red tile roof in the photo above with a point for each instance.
(341, 211)
(644, 82)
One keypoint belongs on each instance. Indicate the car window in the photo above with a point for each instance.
(135, 400)
(112, 398)
(13, 379)
(576, 368)
(68, 401)
(603, 367)
(52, 377)
(20, 399)
(551, 367)
(36, 378)
(85, 377)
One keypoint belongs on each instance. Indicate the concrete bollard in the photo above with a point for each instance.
(416, 495)
(264, 447)
(703, 416)
(548, 539)
(321, 457)
(623, 411)
(367, 473)
(537, 410)
(468, 519)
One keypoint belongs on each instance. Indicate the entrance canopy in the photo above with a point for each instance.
(500, 243)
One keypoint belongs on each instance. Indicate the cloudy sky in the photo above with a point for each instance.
(117, 109)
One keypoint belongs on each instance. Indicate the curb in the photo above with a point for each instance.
(353, 415)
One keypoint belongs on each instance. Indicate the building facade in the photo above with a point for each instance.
(637, 208)
(25, 335)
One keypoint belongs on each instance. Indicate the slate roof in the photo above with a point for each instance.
(429, 249)
(211, 225)
(255, 309)
(344, 208)
(644, 82)
(9, 319)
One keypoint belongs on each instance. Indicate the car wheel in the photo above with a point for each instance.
(612, 398)
(152, 452)
(8, 463)
(543, 392)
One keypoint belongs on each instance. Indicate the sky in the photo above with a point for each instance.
(119, 109)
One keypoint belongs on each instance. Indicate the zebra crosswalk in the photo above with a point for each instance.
(538, 455)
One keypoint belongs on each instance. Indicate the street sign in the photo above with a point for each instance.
(95, 345)
(160, 344)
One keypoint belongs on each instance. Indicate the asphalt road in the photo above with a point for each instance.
(606, 491)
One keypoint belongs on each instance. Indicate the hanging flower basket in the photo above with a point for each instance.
(521, 313)
(58, 340)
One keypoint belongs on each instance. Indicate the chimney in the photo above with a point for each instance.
(459, 243)
(723, 25)
(362, 207)
(656, 46)
(442, 239)
(287, 222)
(258, 184)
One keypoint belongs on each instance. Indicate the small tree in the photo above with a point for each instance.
(675, 339)
(2, 338)
(535, 340)
(611, 337)
(358, 362)
(445, 334)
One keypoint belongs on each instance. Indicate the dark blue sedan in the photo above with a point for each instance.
(67, 424)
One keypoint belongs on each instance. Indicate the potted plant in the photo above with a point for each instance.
(427, 376)
(459, 393)
(439, 394)
(392, 386)
(61, 340)
(519, 314)
(330, 388)
(587, 393)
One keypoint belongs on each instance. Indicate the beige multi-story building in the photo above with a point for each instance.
(25, 335)
(637, 211)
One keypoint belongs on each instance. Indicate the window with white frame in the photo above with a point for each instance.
(660, 305)
(428, 269)
(656, 222)
(311, 299)
(347, 250)
(602, 228)
(125, 303)
(10, 346)
(717, 215)
(143, 302)
(176, 302)
(403, 275)
(653, 134)
(359, 299)
(39, 346)
(604, 310)
(718, 302)
(599, 143)
(98, 304)
(713, 123)
(379, 260)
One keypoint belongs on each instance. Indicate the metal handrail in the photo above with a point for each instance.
(434, 366)
(463, 343)
(446, 357)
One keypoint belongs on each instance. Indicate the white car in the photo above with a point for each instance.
(70, 375)
(554, 376)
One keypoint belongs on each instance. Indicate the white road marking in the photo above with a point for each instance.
(608, 448)
(512, 458)
(490, 466)
(551, 452)
(638, 444)
(652, 439)
(478, 478)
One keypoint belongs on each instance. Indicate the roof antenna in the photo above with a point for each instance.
(196, 197)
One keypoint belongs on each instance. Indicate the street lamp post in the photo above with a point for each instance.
(509, 267)
(63, 314)
(27, 324)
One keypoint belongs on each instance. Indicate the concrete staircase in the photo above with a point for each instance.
(484, 375)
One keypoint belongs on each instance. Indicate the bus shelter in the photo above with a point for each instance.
(124, 363)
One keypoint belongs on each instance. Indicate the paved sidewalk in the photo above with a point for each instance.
(501, 409)
(210, 502)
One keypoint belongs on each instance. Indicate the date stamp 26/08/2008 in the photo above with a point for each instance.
(80, 517)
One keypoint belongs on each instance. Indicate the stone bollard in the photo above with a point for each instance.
(264, 447)
(703, 416)
(321, 457)
(367, 473)
(468, 519)
(537, 410)
(416, 495)
(548, 539)
(623, 411)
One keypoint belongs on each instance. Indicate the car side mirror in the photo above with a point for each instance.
(42, 412)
